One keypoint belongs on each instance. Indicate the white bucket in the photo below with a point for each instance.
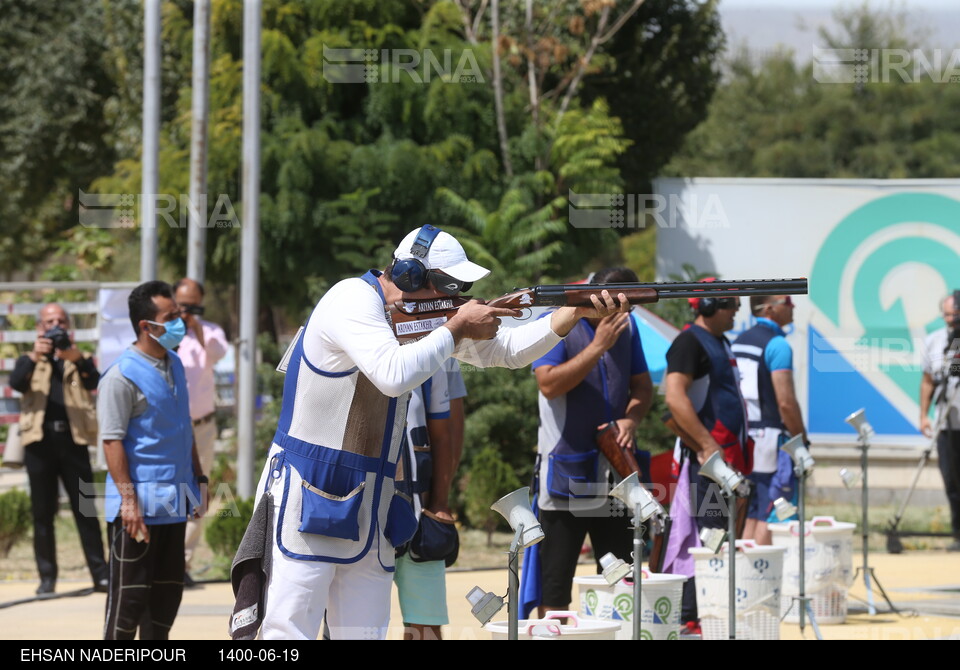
(548, 628)
(828, 545)
(660, 594)
(759, 573)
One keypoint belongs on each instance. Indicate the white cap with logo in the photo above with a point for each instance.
(445, 254)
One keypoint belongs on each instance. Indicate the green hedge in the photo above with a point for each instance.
(15, 519)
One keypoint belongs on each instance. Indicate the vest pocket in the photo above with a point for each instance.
(401, 520)
(330, 515)
(572, 475)
(424, 479)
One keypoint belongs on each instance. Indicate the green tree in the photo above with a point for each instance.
(56, 130)
(775, 119)
(489, 479)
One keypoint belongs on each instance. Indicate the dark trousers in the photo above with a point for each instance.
(948, 455)
(564, 533)
(146, 582)
(55, 458)
(711, 511)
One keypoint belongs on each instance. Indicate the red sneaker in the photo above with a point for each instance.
(690, 629)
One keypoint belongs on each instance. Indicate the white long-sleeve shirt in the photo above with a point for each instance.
(348, 329)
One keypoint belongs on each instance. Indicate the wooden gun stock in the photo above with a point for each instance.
(415, 319)
(675, 428)
(660, 542)
(621, 459)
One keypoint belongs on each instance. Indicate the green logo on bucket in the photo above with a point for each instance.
(592, 601)
(661, 610)
(623, 606)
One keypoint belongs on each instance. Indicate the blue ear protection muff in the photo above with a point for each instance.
(410, 274)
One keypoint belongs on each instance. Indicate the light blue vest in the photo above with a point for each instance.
(158, 445)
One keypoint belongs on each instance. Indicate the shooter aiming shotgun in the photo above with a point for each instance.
(413, 319)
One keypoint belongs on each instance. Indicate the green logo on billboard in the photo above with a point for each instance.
(885, 323)
(623, 604)
(645, 634)
(673, 635)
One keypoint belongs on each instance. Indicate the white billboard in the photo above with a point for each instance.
(879, 255)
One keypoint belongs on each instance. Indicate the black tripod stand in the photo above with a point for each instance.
(944, 401)
(864, 431)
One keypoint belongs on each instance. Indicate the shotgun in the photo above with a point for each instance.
(413, 319)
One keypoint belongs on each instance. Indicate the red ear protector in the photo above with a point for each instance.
(704, 306)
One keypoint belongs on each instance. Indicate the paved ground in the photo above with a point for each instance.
(926, 585)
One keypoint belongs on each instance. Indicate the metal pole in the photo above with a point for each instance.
(197, 228)
(732, 557)
(513, 586)
(249, 249)
(864, 532)
(150, 141)
(637, 573)
(804, 600)
(801, 476)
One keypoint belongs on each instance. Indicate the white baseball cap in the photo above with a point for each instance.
(445, 254)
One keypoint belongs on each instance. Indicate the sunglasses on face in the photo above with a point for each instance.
(446, 284)
(728, 303)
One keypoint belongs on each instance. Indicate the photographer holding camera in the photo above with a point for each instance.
(941, 377)
(58, 421)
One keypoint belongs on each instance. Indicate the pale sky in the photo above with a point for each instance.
(830, 4)
(768, 24)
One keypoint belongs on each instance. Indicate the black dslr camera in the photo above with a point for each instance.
(59, 337)
(193, 309)
(953, 338)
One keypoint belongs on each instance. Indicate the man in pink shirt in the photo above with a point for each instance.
(204, 344)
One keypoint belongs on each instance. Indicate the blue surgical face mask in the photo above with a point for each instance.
(175, 330)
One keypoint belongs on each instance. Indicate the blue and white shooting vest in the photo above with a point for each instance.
(723, 413)
(756, 383)
(158, 445)
(572, 456)
(339, 441)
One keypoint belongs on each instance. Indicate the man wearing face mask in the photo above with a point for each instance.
(155, 479)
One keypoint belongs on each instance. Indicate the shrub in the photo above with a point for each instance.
(225, 531)
(15, 520)
(489, 480)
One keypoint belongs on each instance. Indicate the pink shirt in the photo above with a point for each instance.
(198, 365)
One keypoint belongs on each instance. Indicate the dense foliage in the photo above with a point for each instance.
(512, 106)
